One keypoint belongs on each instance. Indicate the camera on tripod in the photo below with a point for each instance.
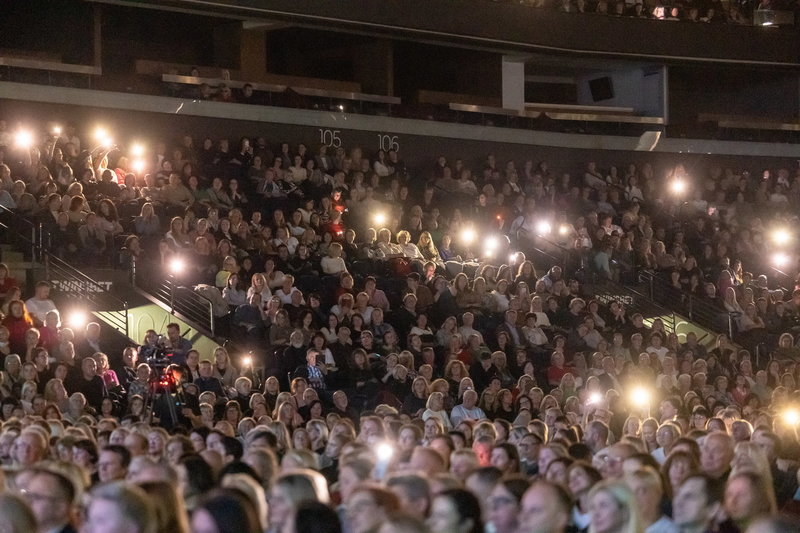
(160, 358)
(160, 361)
(165, 397)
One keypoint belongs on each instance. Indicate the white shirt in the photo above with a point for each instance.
(535, 336)
(286, 298)
(659, 455)
(662, 525)
(460, 413)
(441, 415)
(266, 294)
(39, 308)
(291, 244)
(660, 352)
(333, 265)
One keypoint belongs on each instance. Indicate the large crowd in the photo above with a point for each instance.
(710, 11)
(405, 354)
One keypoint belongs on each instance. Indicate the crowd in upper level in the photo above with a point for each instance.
(713, 11)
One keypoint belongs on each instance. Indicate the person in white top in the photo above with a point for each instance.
(667, 371)
(285, 292)
(435, 409)
(408, 249)
(656, 347)
(534, 335)
(468, 409)
(333, 264)
(40, 304)
(466, 329)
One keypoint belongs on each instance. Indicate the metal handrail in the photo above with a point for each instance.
(179, 300)
(638, 302)
(70, 280)
(83, 288)
(696, 309)
(23, 236)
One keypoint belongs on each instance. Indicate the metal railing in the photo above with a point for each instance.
(82, 290)
(696, 309)
(178, 299)
(636, 302)
(85, 292)
(605, 290)
(21, 231)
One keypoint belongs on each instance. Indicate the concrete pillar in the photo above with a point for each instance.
(513, 83)
(227, 40)
(253, 58)
(373, 66)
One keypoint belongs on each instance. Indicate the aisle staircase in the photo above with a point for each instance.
(106, 295)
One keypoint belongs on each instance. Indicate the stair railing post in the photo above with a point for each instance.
(172, 293)
(133, 270)
(211, 317)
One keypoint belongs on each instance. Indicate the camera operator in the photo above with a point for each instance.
(176, 344)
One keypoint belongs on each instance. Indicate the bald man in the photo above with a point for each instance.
(716, 455)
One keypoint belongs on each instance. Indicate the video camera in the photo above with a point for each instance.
(161, 358)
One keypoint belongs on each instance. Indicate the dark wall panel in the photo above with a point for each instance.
(419, 152)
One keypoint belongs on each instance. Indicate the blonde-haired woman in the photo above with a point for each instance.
(612, 508)
(434, 408)
(428, 249)
(407, 248)
(259, 285)
(416, 401)
(176, 236)
(223, 369)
